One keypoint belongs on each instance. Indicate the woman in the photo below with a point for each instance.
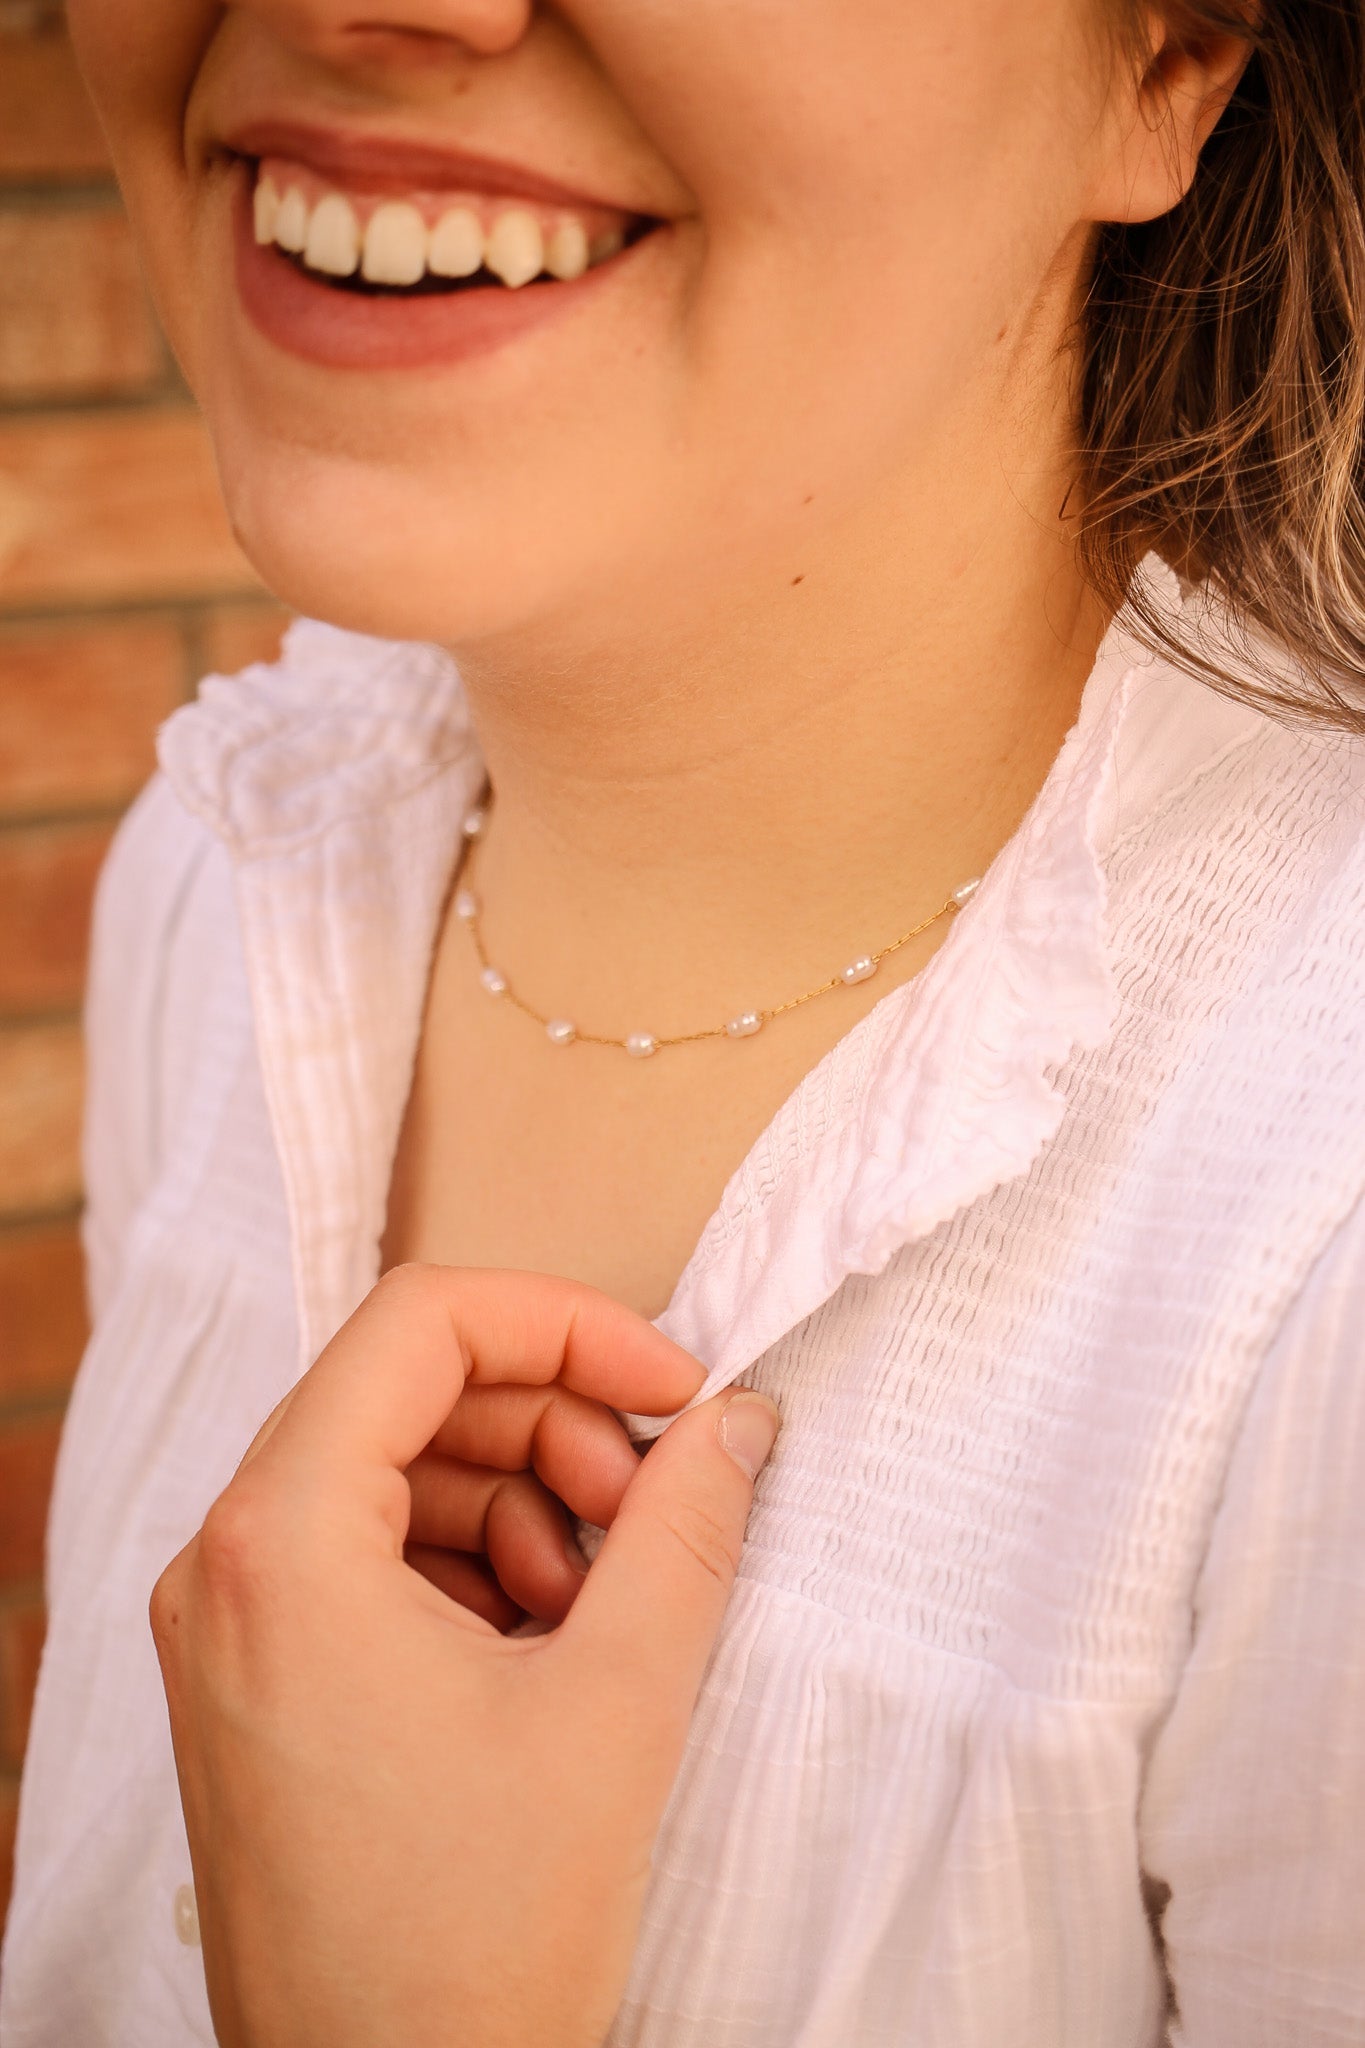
(767, 408)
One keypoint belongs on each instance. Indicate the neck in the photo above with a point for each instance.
(789, 761)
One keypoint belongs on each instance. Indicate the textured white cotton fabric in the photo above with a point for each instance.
(1038, 1716)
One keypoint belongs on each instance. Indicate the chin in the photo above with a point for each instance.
(380, 554)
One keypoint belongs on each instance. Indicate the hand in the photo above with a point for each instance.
(406, 1827)
(487, 1524)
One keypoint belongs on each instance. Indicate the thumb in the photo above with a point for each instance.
(653, 1601)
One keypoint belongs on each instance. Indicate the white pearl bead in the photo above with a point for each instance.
(494, 980)
(560, 1031)
(966, 892)
(466, 905)
(641, 1044)
(745, 1026)
(858, 970)
(474, 821)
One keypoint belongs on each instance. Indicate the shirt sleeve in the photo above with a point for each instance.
(1253, 1815)
(141, 890)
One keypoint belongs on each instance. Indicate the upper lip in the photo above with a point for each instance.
(380, 163)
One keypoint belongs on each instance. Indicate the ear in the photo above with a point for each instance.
(1169, 93)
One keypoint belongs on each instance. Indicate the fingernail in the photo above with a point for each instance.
(575, 1556)
(748, 1429)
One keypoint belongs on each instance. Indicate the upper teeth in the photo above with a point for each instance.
(396, 246)
(332, 242)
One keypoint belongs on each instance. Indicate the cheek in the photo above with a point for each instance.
(883, 185)
(140, 59)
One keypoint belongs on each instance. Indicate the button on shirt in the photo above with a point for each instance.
(1037, 1719)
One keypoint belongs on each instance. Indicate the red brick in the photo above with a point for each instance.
(100, 507)
(21, 1647)
(237, 634)
(9, 1814)
(48, 127)
(43, 1324)
(47, 883)
(81, 707)
(40, 1116)
(74, 318)
(28, 1452)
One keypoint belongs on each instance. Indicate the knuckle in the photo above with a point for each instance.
(410, 1281)
(163, 1609)
(705, 1537)
(232, 1542)
(410, 1297)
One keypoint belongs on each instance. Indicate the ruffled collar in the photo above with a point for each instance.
(340, 725)
(945, 1090)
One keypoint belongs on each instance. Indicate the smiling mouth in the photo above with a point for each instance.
(428, 243)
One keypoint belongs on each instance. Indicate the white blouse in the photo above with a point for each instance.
(1038, 1715)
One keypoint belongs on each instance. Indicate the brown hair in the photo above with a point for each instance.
(1222, 371)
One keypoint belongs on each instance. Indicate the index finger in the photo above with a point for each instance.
(381, 1389)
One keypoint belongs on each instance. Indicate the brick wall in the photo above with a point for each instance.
(119, 586)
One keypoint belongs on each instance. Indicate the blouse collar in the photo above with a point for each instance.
(340, 726)
(946, 1089)
(337, 778)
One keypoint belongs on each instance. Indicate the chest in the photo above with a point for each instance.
(580, 1160)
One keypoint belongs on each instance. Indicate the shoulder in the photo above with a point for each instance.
(1236, 871)
(1245, 825)
(161, 941)
(164, 897)
(1235, 915)
(258, 760)
(157, 853)
(261, 764)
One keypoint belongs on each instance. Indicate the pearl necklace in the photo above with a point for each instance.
(642, 1045)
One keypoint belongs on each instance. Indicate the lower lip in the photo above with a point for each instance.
(350, 331)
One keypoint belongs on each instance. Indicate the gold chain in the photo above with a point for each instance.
(642, 1044)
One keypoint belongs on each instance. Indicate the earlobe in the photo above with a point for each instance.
(1178, 101)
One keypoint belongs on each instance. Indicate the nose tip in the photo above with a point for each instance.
(395, 31)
